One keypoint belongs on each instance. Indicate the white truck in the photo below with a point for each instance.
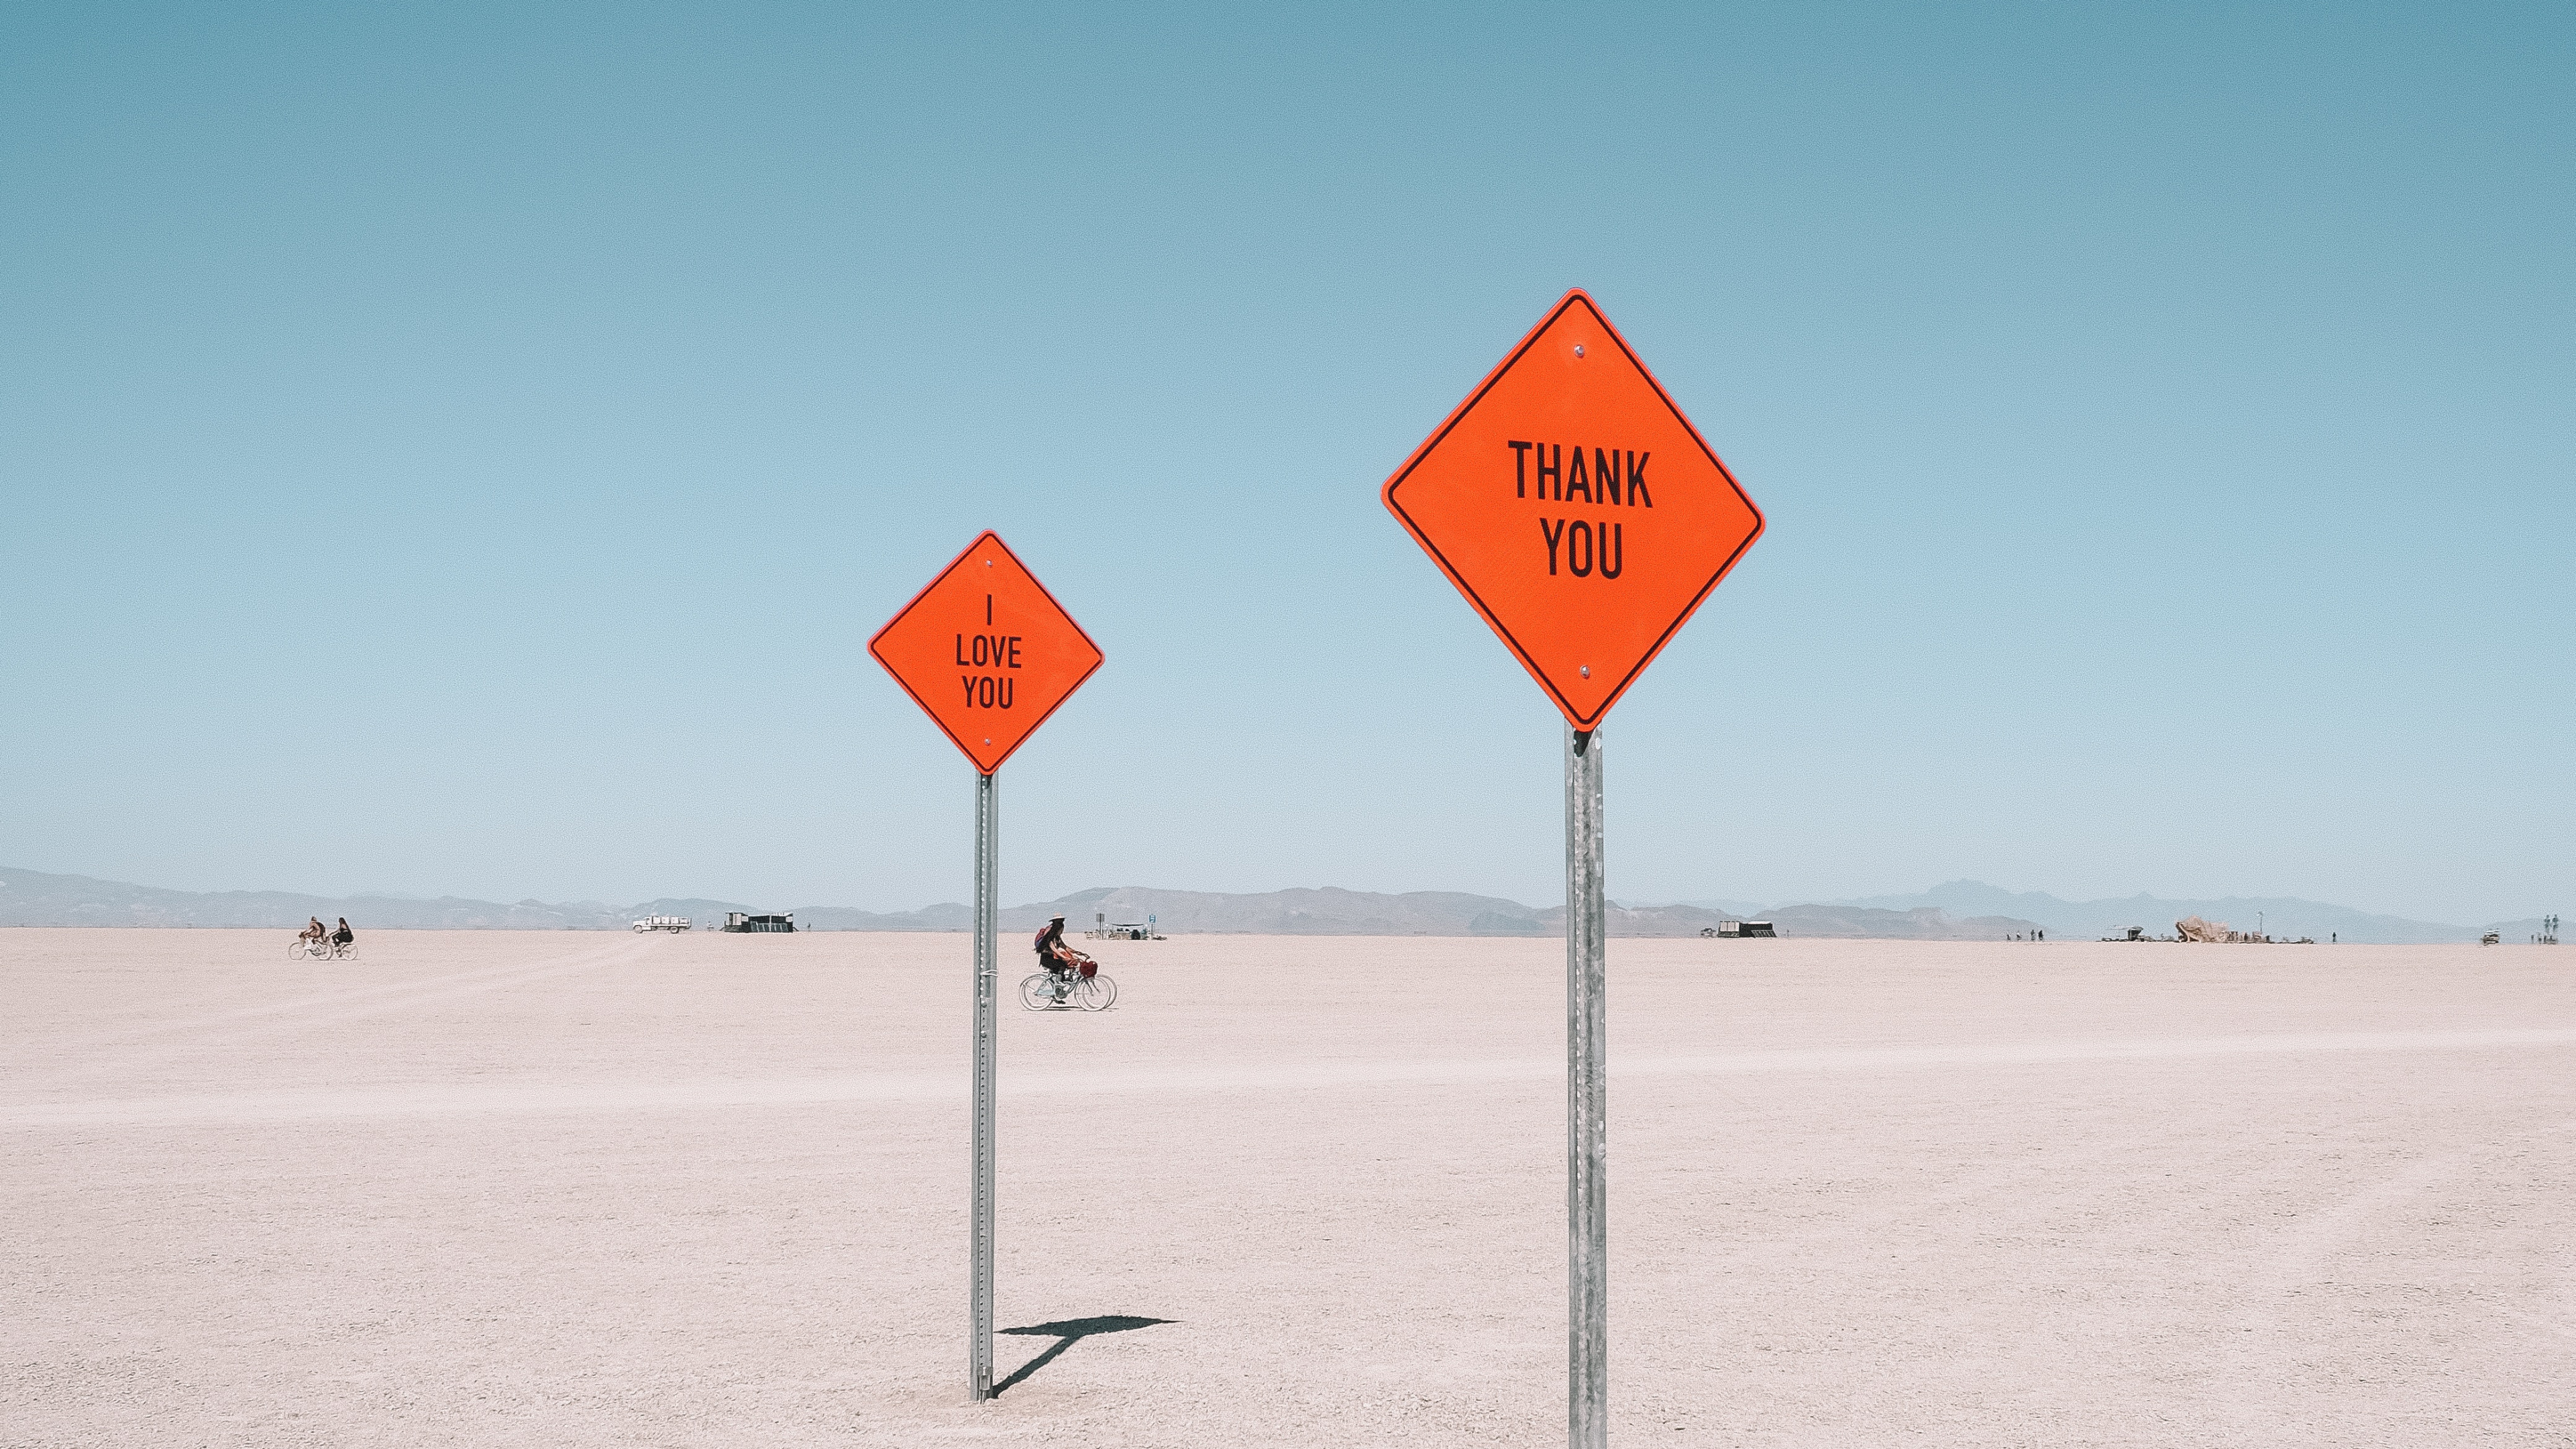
(662, 923)
(1105, 929)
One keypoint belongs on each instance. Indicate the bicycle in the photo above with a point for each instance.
(1082, 989)
(306, 948)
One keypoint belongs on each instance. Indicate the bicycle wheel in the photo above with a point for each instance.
(295, 948)
(348, 952)
(1095, 993)
(1036, 994)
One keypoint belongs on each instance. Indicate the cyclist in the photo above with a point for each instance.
(344, 935)
(312, 930)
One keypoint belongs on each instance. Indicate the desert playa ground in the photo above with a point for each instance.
(576, 1189)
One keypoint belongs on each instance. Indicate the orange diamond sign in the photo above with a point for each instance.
(1576, 508)
(986, 652)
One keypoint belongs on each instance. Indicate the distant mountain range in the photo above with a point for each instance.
(2281, 917)
(33, 898)
(1330, 911)
(1958, 911)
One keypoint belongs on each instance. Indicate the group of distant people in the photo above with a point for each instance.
(314, 930)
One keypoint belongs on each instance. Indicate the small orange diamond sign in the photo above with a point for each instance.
(1576, 508)
(986, 652)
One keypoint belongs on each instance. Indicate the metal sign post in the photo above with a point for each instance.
(988, 654)
(1584, 517)
(988, 866)
(1587, 1066)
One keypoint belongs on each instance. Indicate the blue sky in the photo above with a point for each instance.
(466, 451)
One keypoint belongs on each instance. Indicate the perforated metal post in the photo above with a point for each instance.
(979, 1313)
(1587, 1051)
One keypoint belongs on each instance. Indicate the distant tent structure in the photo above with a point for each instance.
(2193, 928)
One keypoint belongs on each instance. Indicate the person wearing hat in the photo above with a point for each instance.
(1053, 954)
(1051, 948)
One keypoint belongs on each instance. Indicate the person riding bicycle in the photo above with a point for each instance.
(344, 935)
(1067, 978)
(312, 930)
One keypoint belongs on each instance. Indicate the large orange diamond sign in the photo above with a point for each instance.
(1576, 508)
(986, 652)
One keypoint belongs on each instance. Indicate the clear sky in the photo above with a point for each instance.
(465, 449)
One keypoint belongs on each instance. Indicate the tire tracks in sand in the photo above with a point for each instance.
(129, 1051)
(946, 1085)
(2352, 1266)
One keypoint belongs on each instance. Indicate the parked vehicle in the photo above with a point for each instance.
(1739, 930)
(1105, 929)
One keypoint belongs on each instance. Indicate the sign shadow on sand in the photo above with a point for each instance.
(1067, 1333)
